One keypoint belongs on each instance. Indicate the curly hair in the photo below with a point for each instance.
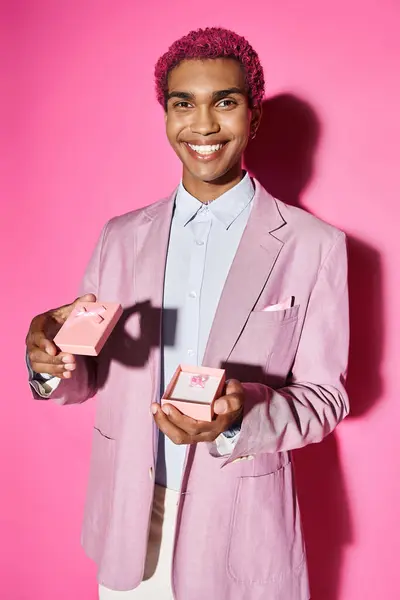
(211, 43)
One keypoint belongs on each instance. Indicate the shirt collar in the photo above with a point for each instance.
(225, 208)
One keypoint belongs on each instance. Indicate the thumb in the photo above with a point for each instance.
(233, 399)
(85, 298)
(233, 386)
(62, 313)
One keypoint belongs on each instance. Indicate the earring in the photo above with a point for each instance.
(253, 135)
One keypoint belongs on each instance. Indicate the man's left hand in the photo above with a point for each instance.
(184, 430)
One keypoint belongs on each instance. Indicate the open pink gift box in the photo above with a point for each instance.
(88, 327)
(192, 390)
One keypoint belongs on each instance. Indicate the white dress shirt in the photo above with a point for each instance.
(202, 246)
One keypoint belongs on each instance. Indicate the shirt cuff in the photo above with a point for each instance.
(43, 383)
(45, 388)
(233, 431)
(225, 445)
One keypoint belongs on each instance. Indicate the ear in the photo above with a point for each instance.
(256, 116)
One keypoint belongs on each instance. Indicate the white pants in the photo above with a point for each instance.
(157, 574)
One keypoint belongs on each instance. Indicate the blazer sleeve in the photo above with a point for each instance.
(315, 399)
(83, 383)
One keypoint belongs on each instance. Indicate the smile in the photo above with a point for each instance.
(206, 149)
(205, 152)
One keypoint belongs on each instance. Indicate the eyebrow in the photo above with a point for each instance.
(216, 95)
(227, 92)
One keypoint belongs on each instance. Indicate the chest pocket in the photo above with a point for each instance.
(266, 334)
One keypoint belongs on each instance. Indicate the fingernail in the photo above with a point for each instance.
(70, 367)
(66, 359)
(67, 374)
(154, 408)
(166, 410)
(221, 407)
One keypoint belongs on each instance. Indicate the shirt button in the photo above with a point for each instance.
(193, 295)
(190, 352)
(200, 242)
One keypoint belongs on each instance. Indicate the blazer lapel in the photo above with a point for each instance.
(255, 258)
(151, 246)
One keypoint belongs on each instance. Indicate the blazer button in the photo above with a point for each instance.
(151, 473)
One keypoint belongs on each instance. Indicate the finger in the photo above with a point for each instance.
(233, 386)
(62, 313)
(39, 353)
(39, 339)
(228, 404)
(175, 434)
(233, 399)
(56, 366)
(50, 369)
(53, 370)
(36, 354)
(191, 426)
(86, 298)
(61, 365)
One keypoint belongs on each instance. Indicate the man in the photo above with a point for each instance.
(220, 274)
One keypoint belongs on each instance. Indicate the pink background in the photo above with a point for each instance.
(83, 140)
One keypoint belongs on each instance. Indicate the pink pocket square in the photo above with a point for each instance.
(288, 303)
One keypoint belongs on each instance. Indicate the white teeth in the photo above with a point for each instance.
(206, 149)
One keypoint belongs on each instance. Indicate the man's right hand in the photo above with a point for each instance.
(43, 354)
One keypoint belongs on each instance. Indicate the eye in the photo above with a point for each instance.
(182, 104)
(226, 103)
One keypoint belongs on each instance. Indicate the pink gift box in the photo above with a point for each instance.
(88, 327)
(192, 390)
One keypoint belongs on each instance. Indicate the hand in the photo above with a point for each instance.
(184, 430)
(43, 354)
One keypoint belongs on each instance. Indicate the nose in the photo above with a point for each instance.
(204, 122)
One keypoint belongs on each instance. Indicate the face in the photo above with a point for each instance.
(208, 119)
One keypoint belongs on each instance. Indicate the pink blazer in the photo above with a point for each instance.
(238, 533)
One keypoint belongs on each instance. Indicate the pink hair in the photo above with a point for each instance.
(212, 42)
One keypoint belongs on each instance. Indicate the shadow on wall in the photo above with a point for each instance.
(282, 158)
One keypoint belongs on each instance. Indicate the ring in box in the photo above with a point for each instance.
(192, 390)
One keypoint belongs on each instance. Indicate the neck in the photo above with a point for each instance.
(207, 191)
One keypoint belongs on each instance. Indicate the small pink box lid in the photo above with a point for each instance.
(88, 327)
